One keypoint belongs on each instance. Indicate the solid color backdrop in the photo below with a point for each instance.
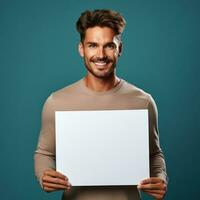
(38, 55)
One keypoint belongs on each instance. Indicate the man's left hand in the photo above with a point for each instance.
(155, 187)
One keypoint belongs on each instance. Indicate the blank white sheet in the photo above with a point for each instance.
(108, 147)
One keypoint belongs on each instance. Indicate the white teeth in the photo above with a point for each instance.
(100, 63)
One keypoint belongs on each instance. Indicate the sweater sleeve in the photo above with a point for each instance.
(44, 157)
(157, 162)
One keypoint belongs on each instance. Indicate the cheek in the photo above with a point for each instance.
(113, 54)
(89, 54)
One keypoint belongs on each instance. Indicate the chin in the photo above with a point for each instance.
(102, 75)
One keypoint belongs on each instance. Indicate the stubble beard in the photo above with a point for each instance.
(101, 74)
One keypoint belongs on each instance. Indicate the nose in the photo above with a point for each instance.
(101, 52)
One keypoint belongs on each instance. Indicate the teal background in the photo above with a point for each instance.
(38, 55)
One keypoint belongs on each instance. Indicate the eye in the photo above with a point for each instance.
(111, 46)
(92, 45)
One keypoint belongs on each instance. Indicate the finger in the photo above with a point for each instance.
(69, 188)
(55, 174)
(51, 189)
(158, 195)
(157, 186)
(47, 189)
(161, 192)
(152, 180)
(54, 186)
(49, 179)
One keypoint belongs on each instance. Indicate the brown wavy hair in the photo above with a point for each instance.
(101, 18)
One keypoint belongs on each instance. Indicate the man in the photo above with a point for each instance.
(100, 46)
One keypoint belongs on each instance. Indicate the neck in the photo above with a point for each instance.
(101, 85)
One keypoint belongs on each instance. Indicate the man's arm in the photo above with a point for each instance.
(44, 157)
(157, 162)
(156, 185)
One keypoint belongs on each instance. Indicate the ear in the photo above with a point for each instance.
(120, 49)
(80, 49)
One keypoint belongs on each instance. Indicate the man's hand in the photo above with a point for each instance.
(155, 187)
(53, 180)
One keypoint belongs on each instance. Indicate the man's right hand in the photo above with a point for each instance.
(53, 181)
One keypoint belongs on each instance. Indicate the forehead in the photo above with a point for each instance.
(100, 35)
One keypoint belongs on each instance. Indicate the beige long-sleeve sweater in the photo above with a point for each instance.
(78, 97)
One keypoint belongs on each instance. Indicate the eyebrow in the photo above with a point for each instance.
(109, 43)
(91, 43)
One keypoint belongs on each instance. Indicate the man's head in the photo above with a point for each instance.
(100, 34)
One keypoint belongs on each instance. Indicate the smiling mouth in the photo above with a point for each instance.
(100, 63)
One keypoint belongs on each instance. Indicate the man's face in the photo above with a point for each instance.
(100, 49)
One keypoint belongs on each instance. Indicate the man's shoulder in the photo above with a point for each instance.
(132, 90)
(64, 93)
(67, 90)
